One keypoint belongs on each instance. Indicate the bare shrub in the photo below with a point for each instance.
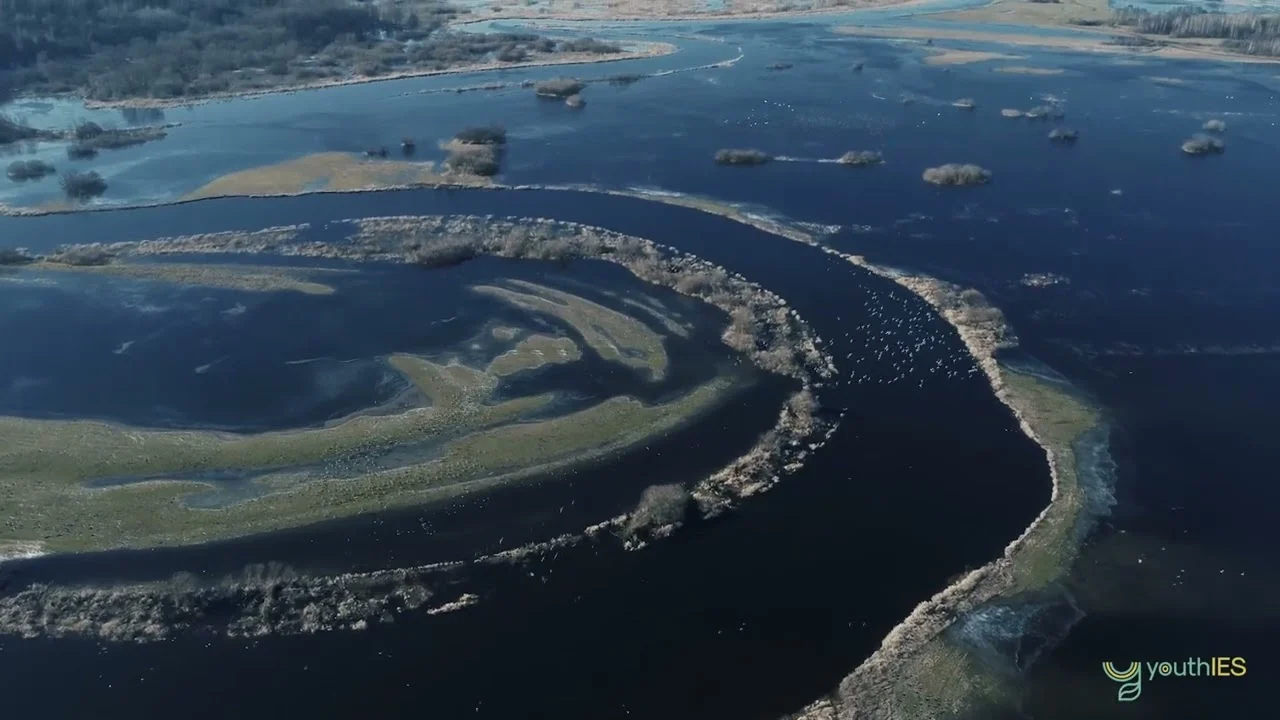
(1214, 125)
(957, 174)
(481, 160)
(590, 45)
(444, 252)
(742, 156)
(561, 87)
(1045, 112)
(1202, 145)
(81, 151)
(83, 185)
(83, 255)
(660, 505)
(482, 135)
(575, 101)
(15, 256)
(861, 158)
(20, 170)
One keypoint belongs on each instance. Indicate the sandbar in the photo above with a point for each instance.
(965, 57)
(613, 335)
(534, 352)
(245, 278)
(328, 172)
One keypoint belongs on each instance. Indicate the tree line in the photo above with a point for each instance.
(1248, 33)
(121, 49)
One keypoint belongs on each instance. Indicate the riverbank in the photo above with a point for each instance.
(638, 52)
(680, 10)
(1086, 20)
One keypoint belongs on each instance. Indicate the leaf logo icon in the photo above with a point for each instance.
(1130, 679)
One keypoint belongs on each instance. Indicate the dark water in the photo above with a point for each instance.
(1169, 320)
(218, 358)
(696, 625)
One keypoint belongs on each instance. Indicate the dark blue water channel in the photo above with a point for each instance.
(746, 617)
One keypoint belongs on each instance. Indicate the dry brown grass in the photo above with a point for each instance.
(329, 171)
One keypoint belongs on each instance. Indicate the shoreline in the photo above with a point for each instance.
(724, 16)
(647, 50)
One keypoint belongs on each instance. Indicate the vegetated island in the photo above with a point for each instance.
(742, 156)
(241, 277)
(923, 668)
(861, 158)
(166, 52)
(1200, 144)
(1064, 136)
(149, 512)
(87, 138)
(957, 174)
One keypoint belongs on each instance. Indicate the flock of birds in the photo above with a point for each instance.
(901, 340)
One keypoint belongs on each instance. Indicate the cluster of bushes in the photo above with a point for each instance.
(12, 131)
(482, 135)
(861, 158)
(15, 256)
(659, 506)
(742, 156)
(1063, 135)
(83, 255)
(20, 170)
(957, 174)
(590, 45)
(83, 185)
(441, 253)
(561, 87)
(468, 159)
(1202, 145)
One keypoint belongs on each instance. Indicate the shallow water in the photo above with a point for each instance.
(760, 613)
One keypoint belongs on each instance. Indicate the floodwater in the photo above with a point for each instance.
(1168, 319)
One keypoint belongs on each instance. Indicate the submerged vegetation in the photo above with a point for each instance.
(21, 170)
(957, 174)
(1063, 135)
(742, 156)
